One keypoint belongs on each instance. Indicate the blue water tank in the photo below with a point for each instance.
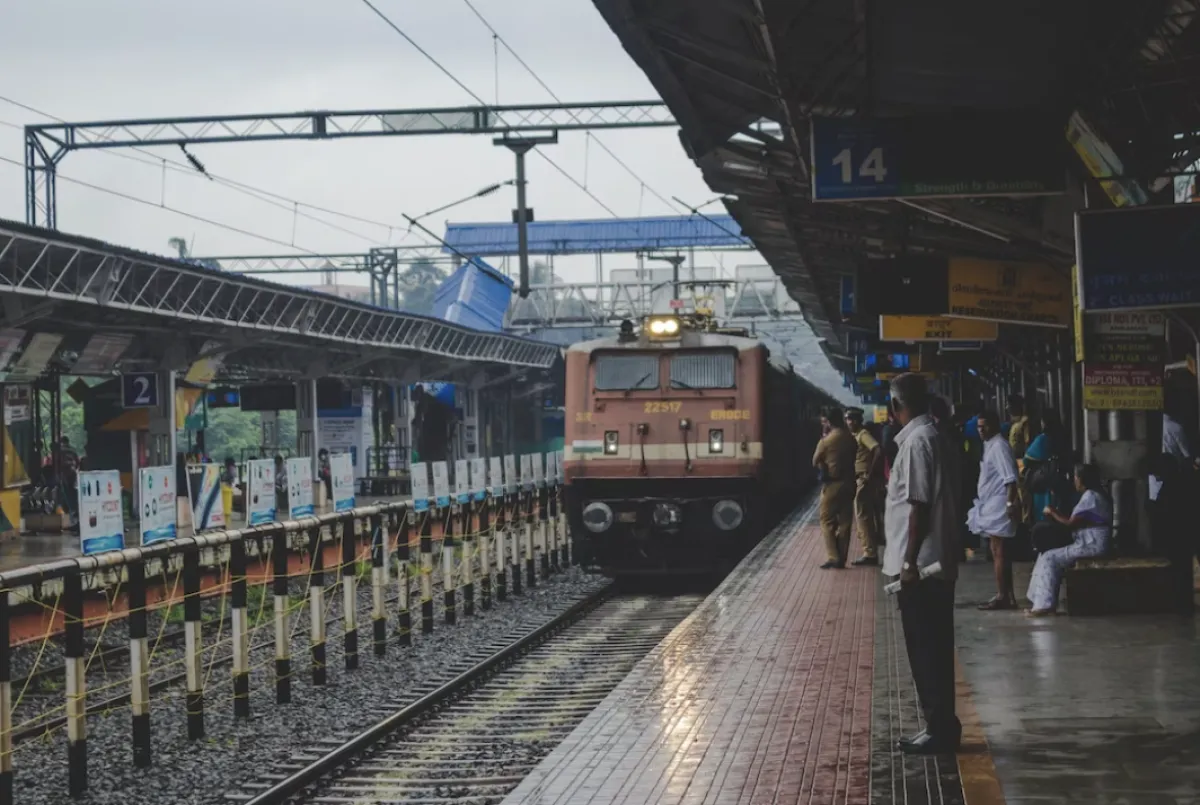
(476, 296)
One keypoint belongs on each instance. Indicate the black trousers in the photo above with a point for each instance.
(927, 614)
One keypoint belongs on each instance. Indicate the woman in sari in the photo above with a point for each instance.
(1091, 524)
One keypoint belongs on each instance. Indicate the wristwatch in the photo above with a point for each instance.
(907, 566)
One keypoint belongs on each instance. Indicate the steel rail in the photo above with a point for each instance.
(282, 791)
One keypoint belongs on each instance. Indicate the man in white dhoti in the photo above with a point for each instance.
(996, 511)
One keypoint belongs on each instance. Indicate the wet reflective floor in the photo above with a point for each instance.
(1084, 710)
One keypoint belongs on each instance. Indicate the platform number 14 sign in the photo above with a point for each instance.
(870, 168)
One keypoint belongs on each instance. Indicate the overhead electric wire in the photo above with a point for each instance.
(261, 194)
(481, 101)
(499, 38)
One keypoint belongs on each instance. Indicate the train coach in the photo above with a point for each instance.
(684, 444)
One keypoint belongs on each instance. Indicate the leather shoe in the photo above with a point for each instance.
(927, 744)
(862, 561)
(909, 740)
(832, 565)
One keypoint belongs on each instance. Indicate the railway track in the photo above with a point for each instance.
(474, 737)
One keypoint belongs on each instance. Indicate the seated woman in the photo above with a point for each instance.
(1091, 522)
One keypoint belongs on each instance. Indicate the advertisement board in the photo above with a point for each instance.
(156, 519)
(300, 488)
(101, 521)
(204, 496)
(1125, 357)
(1138, 259)
(1020, 293)
(341, 475)
(260, 491)
(419, 473)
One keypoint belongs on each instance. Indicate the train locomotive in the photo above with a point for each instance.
(685, 443)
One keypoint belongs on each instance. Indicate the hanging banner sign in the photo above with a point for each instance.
(157, 515)
(260, 492)
(1020, 293)
(204, 371)
(300, 488)
(1139, 259)
(101, 521)
(462, 481)
(935, 328)
(420, 486)
(101, 354)
(1125, 361)
(1076, 315)
(204, 496)
(855, 158)
(478, 481)
(33, 360)
(341, 475)
(512, 481)
(441, 483)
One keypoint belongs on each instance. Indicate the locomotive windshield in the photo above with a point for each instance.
(705, 370)
(627, 372)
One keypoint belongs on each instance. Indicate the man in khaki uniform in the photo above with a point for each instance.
(835, 461)
(866, 489)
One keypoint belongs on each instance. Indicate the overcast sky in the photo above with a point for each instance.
(86, 60)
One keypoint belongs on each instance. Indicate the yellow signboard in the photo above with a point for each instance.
(1021, 293)
(1123, 398)
(880, 415)
(936, 328)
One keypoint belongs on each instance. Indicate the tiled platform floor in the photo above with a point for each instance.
(763, 695)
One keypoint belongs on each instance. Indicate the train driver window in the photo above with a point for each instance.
(706, 370)
(626, 372)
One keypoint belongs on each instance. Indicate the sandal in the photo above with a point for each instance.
(997, 604)
(1040, 613)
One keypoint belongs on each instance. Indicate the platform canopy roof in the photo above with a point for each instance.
(606, 235)
(744, 78)
(178, 311)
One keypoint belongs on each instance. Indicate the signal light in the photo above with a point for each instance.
(716, 441)
(610, 442)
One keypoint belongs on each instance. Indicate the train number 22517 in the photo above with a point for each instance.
(663, 407)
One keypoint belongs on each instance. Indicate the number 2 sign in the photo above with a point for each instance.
(139, 390)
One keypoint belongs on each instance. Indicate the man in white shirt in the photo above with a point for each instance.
(921, 522)
(997, 507)
(1174, 443)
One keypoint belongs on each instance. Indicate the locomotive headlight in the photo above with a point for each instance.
(727, 515)
(663, 327)
(610, 442)
(597, 517)
(716, 441)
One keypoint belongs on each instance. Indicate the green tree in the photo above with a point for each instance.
(419, 282)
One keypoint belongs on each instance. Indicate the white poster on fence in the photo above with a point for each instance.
(495, 480)
(462, 481)
(260, 492)
(204, 495)
(157, 516)
(551, 469)
(420, 486)
(512, 481)
(101, 521)
(478, 484)
(300, 488)
(441, 483)
(526, 471)
(560, 459)
(341, 471)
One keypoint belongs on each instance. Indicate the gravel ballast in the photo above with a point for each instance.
(202, 771)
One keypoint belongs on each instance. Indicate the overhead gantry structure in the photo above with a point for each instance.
(46, 145)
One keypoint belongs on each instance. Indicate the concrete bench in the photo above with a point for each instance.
(1121, 586)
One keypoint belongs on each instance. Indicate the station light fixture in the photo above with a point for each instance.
(716, 441)
(610, 442)
(663, 327)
